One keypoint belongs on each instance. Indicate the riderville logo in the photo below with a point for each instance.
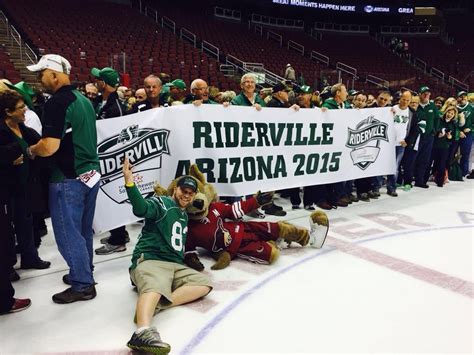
(143, 147)
(365, 141)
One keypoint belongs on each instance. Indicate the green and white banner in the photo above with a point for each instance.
(240, 150)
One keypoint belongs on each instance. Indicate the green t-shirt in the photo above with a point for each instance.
(166, 226)
(69, 116)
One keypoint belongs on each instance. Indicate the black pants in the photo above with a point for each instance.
(23, 222)
(117, 236)
(440, 160)
(6, 288)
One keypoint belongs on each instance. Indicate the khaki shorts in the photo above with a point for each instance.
(164, 277)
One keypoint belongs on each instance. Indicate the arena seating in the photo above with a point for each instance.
(359, 51)
(7, 70)
(67, 28)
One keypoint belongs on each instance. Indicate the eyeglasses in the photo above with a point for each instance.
(22, 107)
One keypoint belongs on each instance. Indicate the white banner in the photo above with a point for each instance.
(240, 150)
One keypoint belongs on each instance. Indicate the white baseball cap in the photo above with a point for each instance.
(51, 61)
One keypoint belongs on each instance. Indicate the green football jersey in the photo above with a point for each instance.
(164, 234)
(468, 111)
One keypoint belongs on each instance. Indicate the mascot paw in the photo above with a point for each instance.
(223, 260)
(160, 190)
(264, 198)
(319, 227)
(192, 260)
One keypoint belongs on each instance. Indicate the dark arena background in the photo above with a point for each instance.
(395, 274)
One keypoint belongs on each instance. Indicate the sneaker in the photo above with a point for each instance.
(317, 234)
(407, 187)
(364, 197)
(392, 193)
(256, 214)
(37, 264)
(19, 305)
(471, 175)
(109, 249)
(70, 296)
(373, 195)
(309, 208)
(295, 207)
(148, 340)
(423, 186)
(376, 193)
(353, 198)
(274, 210)
(105, 240)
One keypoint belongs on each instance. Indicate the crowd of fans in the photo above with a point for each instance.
(434, 141)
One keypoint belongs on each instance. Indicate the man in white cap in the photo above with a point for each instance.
(70, 138)
(290, 73)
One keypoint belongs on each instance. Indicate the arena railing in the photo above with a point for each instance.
(338, 27)
(258, 30)
(228, 14)
(377, 81)
(186, 34)
(277, 22)
(458, 84)
(437, 73)
(421, 64)
(295, 46)
(275, 37)
(410, 30)
(319, 57)
(15, 38)
(210, 49)
(344, 68)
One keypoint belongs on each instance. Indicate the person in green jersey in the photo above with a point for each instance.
(465, 143)
(158, 270)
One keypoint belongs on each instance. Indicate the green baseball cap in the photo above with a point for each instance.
(108, 75)
(461, 93)
(303, 89)
(178, 83)
(424, 89)
(25, 91)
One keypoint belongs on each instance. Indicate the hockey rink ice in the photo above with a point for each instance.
(395, 276)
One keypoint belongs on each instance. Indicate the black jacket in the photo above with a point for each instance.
(112, 108)
(413, 131)
(10, 150)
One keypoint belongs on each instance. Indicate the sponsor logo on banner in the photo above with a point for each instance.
(364, 141)
(143, 147)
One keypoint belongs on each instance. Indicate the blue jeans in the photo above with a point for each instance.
(391, 179)
(72, 207)
(466, 145)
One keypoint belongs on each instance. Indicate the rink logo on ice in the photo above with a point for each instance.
(364, 141)
(143, 147)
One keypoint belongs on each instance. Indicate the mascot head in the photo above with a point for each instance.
(206, 194)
